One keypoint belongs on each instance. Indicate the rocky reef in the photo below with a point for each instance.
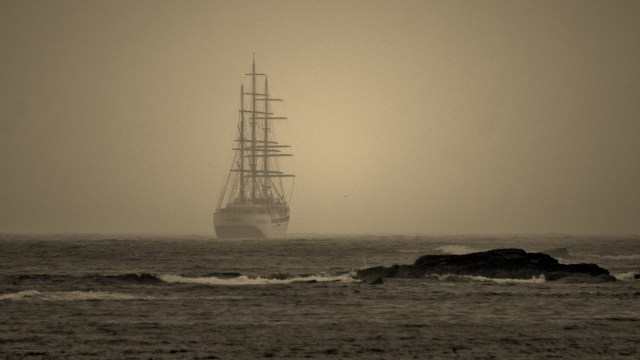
(498, 263)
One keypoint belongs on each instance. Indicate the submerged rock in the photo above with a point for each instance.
(137, 278)
(223, 275)
(499, 263)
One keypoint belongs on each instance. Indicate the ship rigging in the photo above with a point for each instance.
(253, 202)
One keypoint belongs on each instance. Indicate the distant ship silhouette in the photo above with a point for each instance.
(253, 202)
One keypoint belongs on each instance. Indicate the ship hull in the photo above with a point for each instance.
(255, 226)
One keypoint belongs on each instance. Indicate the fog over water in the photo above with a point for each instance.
(404, 116)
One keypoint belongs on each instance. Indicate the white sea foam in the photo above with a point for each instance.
(20, 295)
(627, 276)
(67, 295)
(534, 280)
(456, 249)
(245, 280)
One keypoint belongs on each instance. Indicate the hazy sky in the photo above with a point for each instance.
(404, 116)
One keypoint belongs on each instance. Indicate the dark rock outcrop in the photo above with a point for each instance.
(499, 263)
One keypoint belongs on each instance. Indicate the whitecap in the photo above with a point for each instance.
(20, 295)
(456, 249)
(67, 295)
(627, 276)
(533, 280)
(246, 280)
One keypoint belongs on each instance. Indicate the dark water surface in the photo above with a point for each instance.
(83, 296)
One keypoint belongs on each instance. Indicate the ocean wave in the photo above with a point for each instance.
(217, 278)
(54, 278)
(616, 257)
(628, 276)
(246, 280)
(135, 278)
(456, 249)
(67, 296)
(451, 277)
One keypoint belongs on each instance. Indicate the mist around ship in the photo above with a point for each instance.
(419, 117)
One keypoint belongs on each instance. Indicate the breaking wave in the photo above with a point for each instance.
(450, 277)
(67, 296)
(218, 278)
(246, 280)
(456, 249)
(628, 276)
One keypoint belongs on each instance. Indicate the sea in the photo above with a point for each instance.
(87, 296)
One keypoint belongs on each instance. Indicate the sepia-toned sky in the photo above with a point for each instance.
(404, 116)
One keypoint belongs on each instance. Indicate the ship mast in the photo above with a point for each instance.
(258, 147)
(256, 159)
(242, 196)
(265, 149)
(253, 132)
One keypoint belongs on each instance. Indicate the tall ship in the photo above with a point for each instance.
(253, 202)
